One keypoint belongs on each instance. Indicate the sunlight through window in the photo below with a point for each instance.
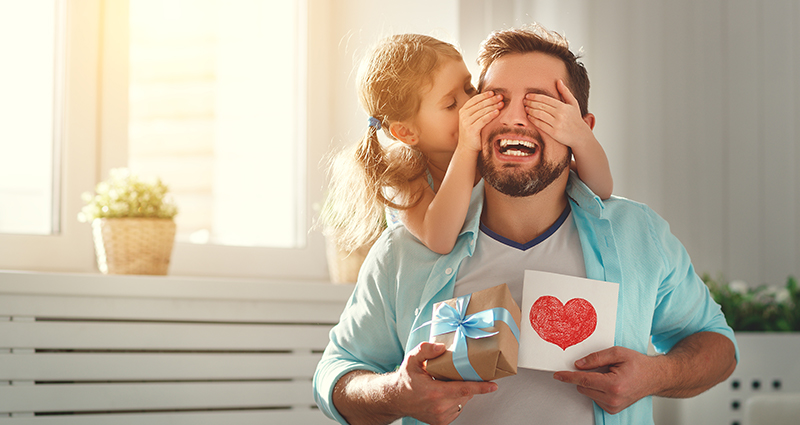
(215, 90)
(29, 41)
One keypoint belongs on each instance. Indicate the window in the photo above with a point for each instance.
(95, 132)
(215, 103)
(28, 137)
(96, 125)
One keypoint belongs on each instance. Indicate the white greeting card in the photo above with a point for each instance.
(564, 318)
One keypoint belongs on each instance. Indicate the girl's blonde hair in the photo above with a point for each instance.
(390, 82)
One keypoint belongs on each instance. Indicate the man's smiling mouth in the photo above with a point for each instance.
(513, 147)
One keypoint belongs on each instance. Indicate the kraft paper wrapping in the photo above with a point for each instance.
(493, 357)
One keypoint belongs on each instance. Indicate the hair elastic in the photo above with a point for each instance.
(374, 122)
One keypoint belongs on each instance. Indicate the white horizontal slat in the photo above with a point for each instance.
(155, 366)
(138, 314)
(153, 396)
(160, 336)
(170, 287)
(289, 417)
(170, 309)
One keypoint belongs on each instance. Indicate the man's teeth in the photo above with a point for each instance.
(515, 153)
(517, 147)
(504, 143)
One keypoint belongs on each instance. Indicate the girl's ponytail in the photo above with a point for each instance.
(353, 214)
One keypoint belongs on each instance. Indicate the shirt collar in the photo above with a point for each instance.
(583, 196)
(576, 190)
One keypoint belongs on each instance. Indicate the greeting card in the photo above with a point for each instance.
(565, 318)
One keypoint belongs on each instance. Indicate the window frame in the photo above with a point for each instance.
(76, 105)
(94, 140)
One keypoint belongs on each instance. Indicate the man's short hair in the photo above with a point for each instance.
(536, 38)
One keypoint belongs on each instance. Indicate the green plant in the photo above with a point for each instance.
(126, 195)
(763, 308)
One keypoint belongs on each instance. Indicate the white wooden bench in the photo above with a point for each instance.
(92, 349)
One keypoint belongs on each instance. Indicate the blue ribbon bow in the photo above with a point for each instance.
(447, 319)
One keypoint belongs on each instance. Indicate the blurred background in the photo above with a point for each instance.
(235, 104)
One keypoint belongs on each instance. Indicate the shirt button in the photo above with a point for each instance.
(448, 271)
(416, 312)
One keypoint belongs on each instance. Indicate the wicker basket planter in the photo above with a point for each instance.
(133, 245)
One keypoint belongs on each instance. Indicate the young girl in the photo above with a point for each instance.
(418, 90)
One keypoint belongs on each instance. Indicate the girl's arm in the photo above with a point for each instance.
(592, 167)
(437, 219)
(563, 122)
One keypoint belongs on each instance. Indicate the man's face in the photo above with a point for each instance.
(515, 159)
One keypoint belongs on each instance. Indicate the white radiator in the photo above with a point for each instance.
(91, 349)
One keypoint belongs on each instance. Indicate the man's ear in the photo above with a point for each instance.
(404, 133)
(589, 119)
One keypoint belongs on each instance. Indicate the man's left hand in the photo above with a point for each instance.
(630, 377)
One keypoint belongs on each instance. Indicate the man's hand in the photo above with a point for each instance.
(364, 397)
(630, 377)
(428, 400)
(693, 365)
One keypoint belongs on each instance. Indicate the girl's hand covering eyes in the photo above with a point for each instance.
(474, 115)
(560, 120)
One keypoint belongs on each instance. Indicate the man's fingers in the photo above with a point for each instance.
(602, 358)
(589, 380)
(485, 387)
(467, 389)
(609, 401)
(427, 351)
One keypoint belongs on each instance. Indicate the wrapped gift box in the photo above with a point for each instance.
(485, 352)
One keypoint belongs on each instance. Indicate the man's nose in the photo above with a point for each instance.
(514, 114)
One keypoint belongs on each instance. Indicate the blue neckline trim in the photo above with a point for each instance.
(541, 238)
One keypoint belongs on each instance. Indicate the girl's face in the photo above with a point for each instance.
(436, 123)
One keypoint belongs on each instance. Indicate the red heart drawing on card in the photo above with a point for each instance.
(563, 324)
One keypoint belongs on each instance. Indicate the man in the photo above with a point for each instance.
(531, 213)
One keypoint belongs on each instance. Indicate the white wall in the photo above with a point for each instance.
(704, 104)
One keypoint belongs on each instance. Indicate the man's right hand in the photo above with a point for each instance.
(365, 397)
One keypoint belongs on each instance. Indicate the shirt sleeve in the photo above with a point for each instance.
(684, 305)
(365, 337)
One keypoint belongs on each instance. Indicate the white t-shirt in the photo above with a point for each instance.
(530, 396)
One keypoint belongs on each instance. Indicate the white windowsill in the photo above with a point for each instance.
(86, 284)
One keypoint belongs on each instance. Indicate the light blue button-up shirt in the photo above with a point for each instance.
(661, 298)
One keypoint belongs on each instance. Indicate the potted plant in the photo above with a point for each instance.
(132, 224)
(762, 308)
(766, 320)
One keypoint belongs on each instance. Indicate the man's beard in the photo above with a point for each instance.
(509, 179)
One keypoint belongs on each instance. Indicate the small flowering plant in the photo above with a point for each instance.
(763, 308)
(126, 195)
